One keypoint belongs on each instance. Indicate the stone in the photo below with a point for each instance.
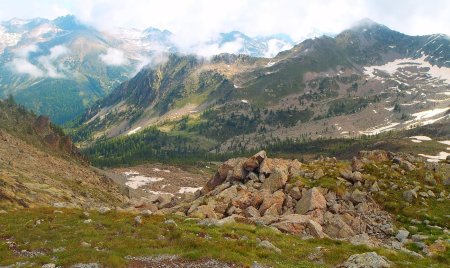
(431, 194)
(274, 200)
(266, 244)
(273, 211)
(292, 224)
(419, 237)
(375, 155)
(357, 164)
(356, 177)
(374, 188)
(252, 176)
(318, 173)
(87, 221)
(312, 199)
(275, 181)
(231, 167)
(103, 210)
(49, 265)
(358, 197)
(295, 193)
(402, 235)
(429, 179)
(335, 226)
(137, 220)
(252, 212)
(164, 201)
(366, 260)
(446, 181)
(146, 213)
(170, 222)
(204, 211)
(409, 196)
(85, 244)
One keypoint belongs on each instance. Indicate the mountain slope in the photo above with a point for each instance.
(40, 166)
(59, 67)
(366, 80)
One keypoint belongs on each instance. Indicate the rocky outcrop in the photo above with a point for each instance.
(273, 192)
(366, 260)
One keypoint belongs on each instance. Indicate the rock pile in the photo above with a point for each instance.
(272, 192)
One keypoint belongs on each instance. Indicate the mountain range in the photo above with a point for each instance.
(366, 80)
(59, 67)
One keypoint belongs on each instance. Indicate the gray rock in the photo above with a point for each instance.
(366, 260)
(402, 235)
(409, 196)
(266, 244)
(137, 220)
(103, 210)
(318, 174)
(171, 222)
(275, 181)
(49, 265)
(252, 212)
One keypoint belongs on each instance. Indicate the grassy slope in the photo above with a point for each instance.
(115, 236)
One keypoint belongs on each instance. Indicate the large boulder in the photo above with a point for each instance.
(231, 169)
(274, 200)
(276, 180)
(366, 260)
(336, 227)
(311, 200)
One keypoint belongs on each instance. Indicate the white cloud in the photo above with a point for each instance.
(114, 57)
(23, 66)
(48, 61)
(197, 21)
(46, 68)
(274, 46)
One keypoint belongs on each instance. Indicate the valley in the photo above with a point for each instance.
(127, 147)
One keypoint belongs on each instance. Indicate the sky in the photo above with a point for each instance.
(199, 20)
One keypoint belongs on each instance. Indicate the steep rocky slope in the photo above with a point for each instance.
(40, 166)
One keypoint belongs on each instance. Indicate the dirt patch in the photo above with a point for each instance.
(169, 261)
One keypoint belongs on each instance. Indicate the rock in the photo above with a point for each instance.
(292, 224)
(146, 213)
(164, 200)
(85, 244)
(431, 194)
(273, 211)
(103, 210)
(252, 212)
(357, 165)
(137, 220)
(3, 211)
(366, 260)
(409, 196)
(402, 235)
(171, 222)
(86, 265)
(335, 226)
(312, 199)
(266, 244)
(429, 179)
(356, 177)
(275, 181)
(275, 200)
(315, 229)
(231, 167)
(374, 188)
(404, 163)
(446, 181)
(204, 211)
(318, 173)
(419, 237)
(358, 197)
(87, 221)
(375, 155)
(362, 239)
(252, 176)
(49, 265)
(295, 193)
(266, 167)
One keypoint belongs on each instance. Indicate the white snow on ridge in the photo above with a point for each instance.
(131, 132)
(393, 66)
(189, 189)
(378, 130)
(137, 181)
(436, 158)
(445, 142)
(421, 138)
(429, 113)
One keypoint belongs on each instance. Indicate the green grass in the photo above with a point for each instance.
(113, 237)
